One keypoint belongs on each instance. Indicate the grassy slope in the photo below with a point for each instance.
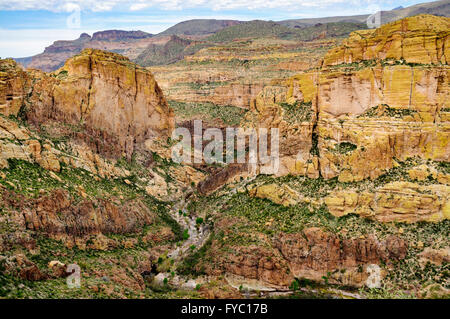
(251, 216)
(259, 29)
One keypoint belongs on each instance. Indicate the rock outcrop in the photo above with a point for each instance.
(362, 136)
(421, 39)
(381, 97)
(128, 43)
(315, 254)
(14, 87)
(397, 201)
(118, 104)
(76, 223)
(282, 195)
(235, 73)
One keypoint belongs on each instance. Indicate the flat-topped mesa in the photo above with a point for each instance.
(117, 35)
(367, 109)
(422, 39)
(117, 104)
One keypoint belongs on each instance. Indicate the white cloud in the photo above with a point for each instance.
(133, 5)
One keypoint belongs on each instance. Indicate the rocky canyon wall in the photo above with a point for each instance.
(118, 104)
(370, 105)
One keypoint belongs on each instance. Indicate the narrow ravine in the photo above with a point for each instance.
(198, 235)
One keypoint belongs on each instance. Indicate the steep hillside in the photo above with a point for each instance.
(173, 50)
(422, 40)
(359, 207)
(129, 43)
(85, 178)
(363, 180)
(199, 27)
(264, 29)
(251, 29)
(439, 8)
(119, 35)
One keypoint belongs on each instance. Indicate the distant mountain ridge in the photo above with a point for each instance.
(149, 49)
(199, 27)
(129, 43)
(116, 35)
(260, 28)
(438, 8)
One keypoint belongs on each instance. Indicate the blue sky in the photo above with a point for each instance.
(28, 26)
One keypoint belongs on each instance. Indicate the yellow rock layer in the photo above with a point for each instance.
(420, 39)
(397, 201)
(366, 116)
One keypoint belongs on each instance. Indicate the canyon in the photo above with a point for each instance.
(86, 174)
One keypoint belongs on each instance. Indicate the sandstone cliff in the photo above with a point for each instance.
(364, 178)
(118, 104)
(420, 39)
(364, 174)
(366, 110)
(128, 43)
(14, 87)
(85, 176)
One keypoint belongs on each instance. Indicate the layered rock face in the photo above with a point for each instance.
(60, 218)
(117, 103)
(387, 112)
(14, 87)
(128, 43)
(315, 252)
(365, 135)
(235, 73)
(379, 99)
(421, 39)
(65, 185)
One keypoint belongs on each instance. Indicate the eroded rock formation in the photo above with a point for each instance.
(370, 104)
(118, 104)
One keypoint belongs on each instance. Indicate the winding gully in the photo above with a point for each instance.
(198, 235)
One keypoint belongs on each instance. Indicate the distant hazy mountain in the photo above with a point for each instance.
(260, 29)
(148, 49)
(119, 41)
(439, 8)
